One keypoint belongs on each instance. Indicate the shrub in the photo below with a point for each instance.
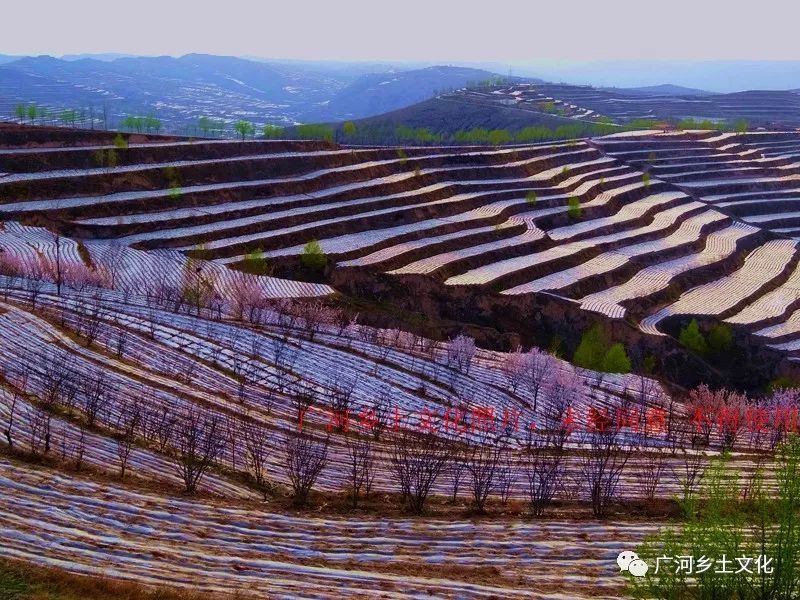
(784, 382)
(592, 349)
(207, 125)
(244, 129)
(616, 360)
(547, 107)
(768, 525)
(254, 261)
(422, 135)
(649, 364)
(315, 132)
(556, 347)
(646, 180)
(531, 198)
(574, 209)
(594, 353)
(120, 142)
(273, 132)
(313, 257)
(692, 338)
(720, 338)
(499, 136)
(349, 128)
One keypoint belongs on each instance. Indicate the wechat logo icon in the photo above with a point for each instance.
(630, 562)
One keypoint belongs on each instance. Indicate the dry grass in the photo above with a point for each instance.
(22, 581)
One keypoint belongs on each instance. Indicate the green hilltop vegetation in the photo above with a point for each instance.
(371, 132)
(352, 133)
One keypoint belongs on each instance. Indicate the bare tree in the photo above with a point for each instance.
(244, 369)
(90, 318)
(121, 342)
(284, 356)
(18, 380)
(305, 457)
(417, 459)
(162, 425)
(232, 432)
(96, 393)
(381, 412)
(313, 315)
(128, 422)
(545, 467)
(112, 263)
(58, 266)
(457, 471)
(303, 398)
(507, 475)
(482, 458)
(256, 441)
(58, 389)
(672, 419)
(80, 447)
(286, 312)
(360, 466)
(344, 322)
(199, 441)
(651, 467)
(342, 388)
(691, 442)
(38, 421)
(606, 455)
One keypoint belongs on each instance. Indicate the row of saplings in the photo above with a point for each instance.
(493, 462)
(486, 458)
(54, 409)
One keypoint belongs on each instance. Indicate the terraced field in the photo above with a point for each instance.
(70, 508)
(774, 109)
(639, 226)
(131, 342)
(169, 361)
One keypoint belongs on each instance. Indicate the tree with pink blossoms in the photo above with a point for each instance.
(539, 369)
(513, 369)
(460, 352)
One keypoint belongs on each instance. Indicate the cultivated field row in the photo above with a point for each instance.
(641, 225)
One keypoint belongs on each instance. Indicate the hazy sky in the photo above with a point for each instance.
(425, 30)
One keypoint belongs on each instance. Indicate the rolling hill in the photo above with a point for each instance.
(448, 229)
(182, 406)
(180, 90)
(517, 106)
(377, 93)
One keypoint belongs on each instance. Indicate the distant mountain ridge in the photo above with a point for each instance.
(377, 93)
(180, 90)
(719, 76)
